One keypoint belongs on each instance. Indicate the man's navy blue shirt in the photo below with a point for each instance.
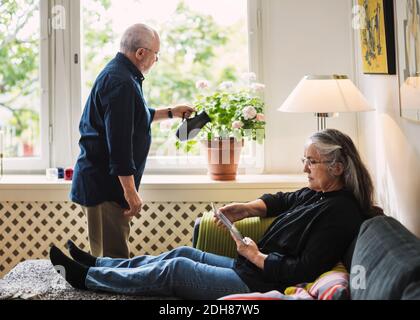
(115, 135)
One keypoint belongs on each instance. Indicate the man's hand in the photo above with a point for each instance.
(131, 196)
(182, 111)
(250, 251)
(134, 202)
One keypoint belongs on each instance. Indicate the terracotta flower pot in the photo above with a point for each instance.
(223, 158)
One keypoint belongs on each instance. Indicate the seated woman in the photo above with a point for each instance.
(313, 229)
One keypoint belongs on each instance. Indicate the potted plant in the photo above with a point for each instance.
(236, 113)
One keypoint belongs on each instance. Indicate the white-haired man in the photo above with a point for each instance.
(115, 141)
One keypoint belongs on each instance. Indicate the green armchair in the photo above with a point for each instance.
(210, 238)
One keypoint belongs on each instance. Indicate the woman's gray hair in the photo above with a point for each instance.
(338, 147)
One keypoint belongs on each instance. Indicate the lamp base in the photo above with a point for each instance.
(322, 119)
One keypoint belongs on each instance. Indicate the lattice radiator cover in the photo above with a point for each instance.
(27, 229)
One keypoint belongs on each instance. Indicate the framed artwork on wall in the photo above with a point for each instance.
(377, 37)
(408, 48)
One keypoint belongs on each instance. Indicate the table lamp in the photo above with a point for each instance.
(325, 96)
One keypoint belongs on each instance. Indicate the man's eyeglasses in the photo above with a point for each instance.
(311, 162)
(156, 53)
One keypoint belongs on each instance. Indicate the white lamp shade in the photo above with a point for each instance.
(325, 94)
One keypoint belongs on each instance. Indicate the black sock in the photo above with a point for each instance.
(74, 272)
(81, 256)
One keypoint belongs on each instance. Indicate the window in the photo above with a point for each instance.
(52, 51)
(23, 103)
(199, 40)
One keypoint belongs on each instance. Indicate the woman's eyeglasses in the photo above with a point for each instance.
(311, 162)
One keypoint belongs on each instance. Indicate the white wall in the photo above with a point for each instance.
(301, 37)
(391, 147)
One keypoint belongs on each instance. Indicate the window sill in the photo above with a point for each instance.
(158, 188)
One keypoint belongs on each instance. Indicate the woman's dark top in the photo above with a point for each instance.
(310, 235)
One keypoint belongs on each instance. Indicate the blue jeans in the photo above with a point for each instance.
(183, 272)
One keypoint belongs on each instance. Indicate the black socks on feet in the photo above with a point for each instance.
(74, 272)
(81, 256)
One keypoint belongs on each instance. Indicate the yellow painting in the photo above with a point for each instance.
(376, 36)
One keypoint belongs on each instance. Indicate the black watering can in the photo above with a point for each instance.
(189, 128)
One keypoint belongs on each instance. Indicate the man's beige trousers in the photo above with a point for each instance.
(108, 230)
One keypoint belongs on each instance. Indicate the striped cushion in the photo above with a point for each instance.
(332, 285)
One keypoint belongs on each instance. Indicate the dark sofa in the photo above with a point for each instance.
(383, 261)
(390, 255)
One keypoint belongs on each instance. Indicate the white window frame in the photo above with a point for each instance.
(61, 108)
(65, 109)
(36, 164)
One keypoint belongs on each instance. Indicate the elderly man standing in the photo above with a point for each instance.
(115, 141)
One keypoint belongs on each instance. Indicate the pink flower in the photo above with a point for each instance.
(257, 87)
(237, 125)
(260, 117)
(249, 113)
(202, 84)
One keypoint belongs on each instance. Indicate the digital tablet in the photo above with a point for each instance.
(231, 227)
